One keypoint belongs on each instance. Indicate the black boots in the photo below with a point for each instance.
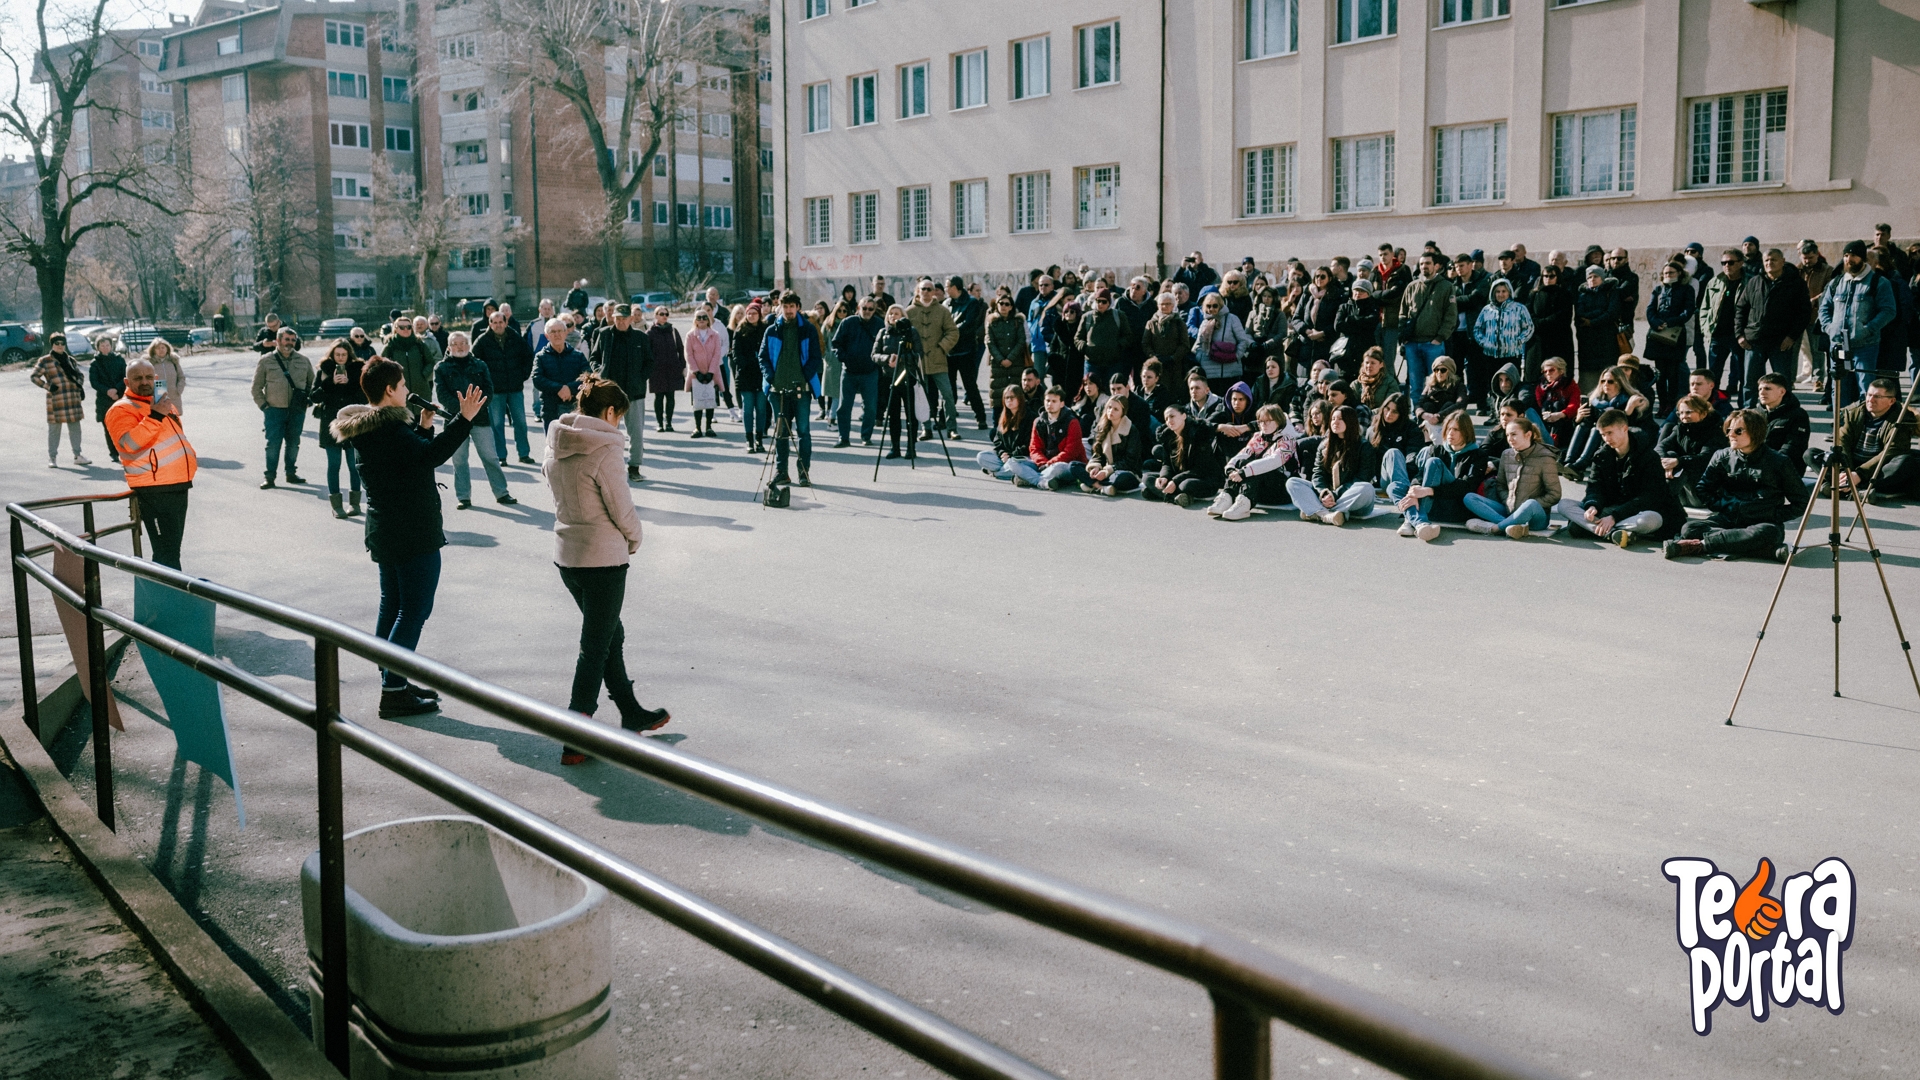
(406, 701)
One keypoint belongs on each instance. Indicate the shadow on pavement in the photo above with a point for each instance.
(929, 498)
(265, 655)
(220, 463)
(471, 539)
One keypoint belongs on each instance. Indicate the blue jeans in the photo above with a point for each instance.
(943, 384)
(1420, 358)
(867, 387)
(1865, 358)
(755, 413)
(1022, 469)
(796, 409)
(1063, 474)
(463, 477)
(1393, 474)
(990, 463)
(1433, 474)
(352, 456)
(283, 428)
(406, 599)
(500, 409)
(1529, 513)
(1761, 361)
(1355, 500)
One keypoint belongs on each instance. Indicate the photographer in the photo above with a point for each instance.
(282, 385)
(397, 458)
(897, 350)
(1750, 490)
(790, 367)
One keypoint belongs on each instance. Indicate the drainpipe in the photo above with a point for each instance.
(1160, 240)
(786, 159)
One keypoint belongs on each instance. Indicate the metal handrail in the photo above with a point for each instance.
(1248, 985)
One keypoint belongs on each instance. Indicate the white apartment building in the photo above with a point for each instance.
(986, 139)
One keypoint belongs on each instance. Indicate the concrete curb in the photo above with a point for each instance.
(257, 1033)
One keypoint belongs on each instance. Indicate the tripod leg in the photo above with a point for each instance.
(1799, 535)
(1833, 544)
(949, 453)
(1873, 549)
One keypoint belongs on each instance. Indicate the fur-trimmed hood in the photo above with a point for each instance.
(356, 420)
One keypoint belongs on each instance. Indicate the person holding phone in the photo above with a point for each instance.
(159, 461)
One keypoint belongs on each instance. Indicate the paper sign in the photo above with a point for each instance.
(192, 700)
(70, 570)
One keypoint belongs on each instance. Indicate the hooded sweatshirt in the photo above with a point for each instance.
(1503, 329)
(594, 523)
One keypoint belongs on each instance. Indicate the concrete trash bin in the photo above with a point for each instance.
(469, 954)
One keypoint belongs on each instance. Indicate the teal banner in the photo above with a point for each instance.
(192, 700)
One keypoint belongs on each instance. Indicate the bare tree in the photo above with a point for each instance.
(269, 203)
(45, 230)
(413, 229)
(628, 67)
(202, 256)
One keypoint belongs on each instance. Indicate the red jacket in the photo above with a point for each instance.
(1061, 437)
(1556, 397)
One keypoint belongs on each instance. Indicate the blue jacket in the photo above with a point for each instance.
(453, 375)
(1856, 310)
(771, 345)
(553, 370)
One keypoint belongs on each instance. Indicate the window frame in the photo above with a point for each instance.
(477, 203)
(815, 9)
(1292, 9)
(1084, 177)
(1343, 189)
(921, 214)
(961, 81)
(227, 82)
(353, 80)
(149, 47)
(1020, 63)
(1499, 156)
(1084, 37)
(1503, 9)
(156, 119)
(871, 81)
(405, 85)
(227, 46)
(1735, 146)
(820, 226)
(1346, 20)
(817, 102)
(1625, 167)
(340, 28)
(1034, 204)
(336, 129)
(1283, 178)
(388, 139)
(459, 148)
(863, 209)
(904, 75)
(363, 185)
(969, 209)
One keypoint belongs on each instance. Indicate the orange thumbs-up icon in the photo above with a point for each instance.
(1754, 912)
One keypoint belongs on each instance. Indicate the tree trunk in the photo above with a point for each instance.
(611, 256)
(51, 274)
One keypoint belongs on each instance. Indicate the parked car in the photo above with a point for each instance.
(200, 335)
(17, 343)
(334, 328)
(80, 334)
(653, 300)
(749, 296)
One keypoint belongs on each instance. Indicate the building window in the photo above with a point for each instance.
(1593, 153)
(1099, 49)
(686, 213)
(915, 203)
(470, 153)
(395, 90)
(634, 210)
(353, 286)
(1470, 164)
(1273, 28)
(346, 84)
(814, 9)
(766, 206)
(1739, 139)
(1455, 12)
(157, 118)
(479, 258)
(1358, 20)
(227, 46)
(1032, 68)
(716, 216)
(233, 88)
(1032, 202)
(462, 47)
(466, 101)
(970, 79)
(686, 118)
(970, 208)
(1269, 182)
(863, 92)
(660, 212)
(348, 185)
(863, 217)
(766, 159)
(151, 84)
(348, 238)
(150, 48)
(913, 92)
(1097, 197)
(1363, 173)
(478, 204)
(352, 35)
(350, 135)
(819, 99)
(716, 125)
(819, 217)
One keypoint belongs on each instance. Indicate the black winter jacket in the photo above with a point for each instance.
(624, 357)
(1789, 429)
(397, 460)
(1693, 445)
(508, 357)
(1197, 458)
(1746, 489)
(1622, 487)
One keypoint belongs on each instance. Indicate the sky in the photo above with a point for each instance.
(16, 24)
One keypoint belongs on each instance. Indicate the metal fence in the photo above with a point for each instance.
(1248, 986)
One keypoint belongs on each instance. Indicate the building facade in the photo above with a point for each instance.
(992, 138)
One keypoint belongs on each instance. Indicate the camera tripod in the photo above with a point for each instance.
(912, 425)
(1832, 475)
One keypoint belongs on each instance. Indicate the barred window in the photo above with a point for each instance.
(819, 219)
(1739, 139)
(1593, 153)
(1032, 196)
(915, 204)
(1363, 173)
(1470, 164)
(1269, 182)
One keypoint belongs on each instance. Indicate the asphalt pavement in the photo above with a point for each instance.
(1448, 773)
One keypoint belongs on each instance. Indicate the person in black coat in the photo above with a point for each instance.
(1670, 310)
(335, 386)
(1751, 491)
(404, 535)
(1596, 320)
(1552, 307)
(623, 355)
(970, 319)
(1627, 494)
(509, 361)
(1012, 435)
(1687, 444)
(1359, 322)
(1190, 467)
(1789, 428)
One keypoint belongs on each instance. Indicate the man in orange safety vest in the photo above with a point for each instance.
(159, 461)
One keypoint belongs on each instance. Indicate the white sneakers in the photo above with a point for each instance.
(1406, 528)
(1519, 531)
(1334, 517)
(82, 459)
(1428, 532)
(1240, 510)
(1220, 504)
(1481, 527)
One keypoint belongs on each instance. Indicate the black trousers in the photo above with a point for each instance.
(164, 513)
(1266, 489)
(900, 398)
(1757, 540)
(1183, 484)
(1899, 476)
(599, 592)
(966, 374)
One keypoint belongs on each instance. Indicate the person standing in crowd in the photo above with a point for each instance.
(1551, 307)
(1628, 496)
(1195, 274)
(669, 365)
(1135, 307)
(1391, 276)
(1874, 440)
(1429, 309)
(335, 386)
(1043, 304)
(595, 534)
(1220, 344)
(882, 299)
(1626, 289)
(1858, 305)
(1750, 491)
(749, 328)
(1314, 320)
(107, 374)
(1897, 338)
(398, 455)
(158, 460)
(897, 352)
(938, 337)
(557, 369)
(853, 341)
(1166, 338)
(1670, 310)
(452, 379)
(509, 365)
(1596, 320)
(407, 350)
(1772, 312)
(1473, 285)
(706, 349)
(167, 372)
(536, 335)
(269, 336)
(1008, 353)
(577, 300)
(1816, 271)
(439, 332)
(623, 355)
(1524, 488)
(790, 368)
(970, 321)
(1101, 339)
(480, 324)
(58, 373)
(282, 385)
(1719, 321)
(1502, 330)
(427, 341)
(363, 349)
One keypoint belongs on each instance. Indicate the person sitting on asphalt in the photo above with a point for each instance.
(1750, 490)
(1789, 428)
(1627, 496)
(1393, 439)
(1012, 434)
(1275, 387)
(1154, 391)
(1442, 394)
(1505, 389)
(1258, 473)
(1057, 455)
(1686, 446)
(1496, 440)
(1613, 393)
(1525, 485)
(1190, 468)
(1448, 470)
(1375, 383)
(1339, 488)
(1235, 424)
(1700, 384)
(1202, 403)
(1555, 402)
(1874, 438)
(1117, 457)
(1090, 402)
(1312, 428)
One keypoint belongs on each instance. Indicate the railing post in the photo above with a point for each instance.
(97, 689)
(23, 625)
(1242, 1042)
(333, 859)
